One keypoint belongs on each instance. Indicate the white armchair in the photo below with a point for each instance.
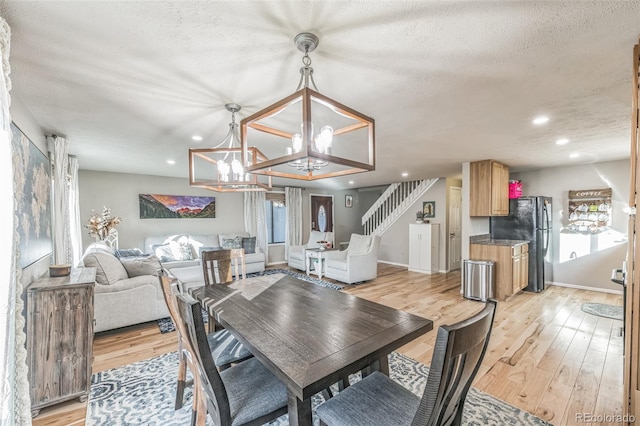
(296, 258)
(357, 263)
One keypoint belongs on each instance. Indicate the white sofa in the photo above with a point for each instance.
(296, 257)
(188, 269)
(127, 290)
(357, 263)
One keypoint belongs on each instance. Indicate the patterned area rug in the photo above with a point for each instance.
(143, 393)
(604, 310)
(166, 325)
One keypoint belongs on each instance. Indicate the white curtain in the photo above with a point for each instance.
(62, 251)
(255, 219)
(75, 227)
(293, 201)
(14, 389)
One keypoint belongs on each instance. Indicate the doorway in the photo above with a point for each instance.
(455, 227)
(322, 213)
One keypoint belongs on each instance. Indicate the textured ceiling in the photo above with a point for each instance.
(128, 83)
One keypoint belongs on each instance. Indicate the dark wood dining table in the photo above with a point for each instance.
(308, 335)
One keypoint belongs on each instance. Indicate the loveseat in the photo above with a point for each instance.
(180, 254)
(127, 290)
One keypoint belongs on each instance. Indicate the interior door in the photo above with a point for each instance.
(322, 213)
(632, 311)
(455, 227)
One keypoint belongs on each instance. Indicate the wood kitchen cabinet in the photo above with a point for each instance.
(489, 189)
(424, 247)
(511, 268)
(60, 338)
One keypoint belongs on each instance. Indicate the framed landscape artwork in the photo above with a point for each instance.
(155, 206)
(32, 187)
(428, 209)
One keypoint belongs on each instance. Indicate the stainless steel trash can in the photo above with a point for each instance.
(478, 279)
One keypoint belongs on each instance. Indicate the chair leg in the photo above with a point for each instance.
(182, 377)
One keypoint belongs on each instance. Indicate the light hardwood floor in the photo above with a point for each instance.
(545, 356)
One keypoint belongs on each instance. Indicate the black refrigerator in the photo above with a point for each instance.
(529, 219)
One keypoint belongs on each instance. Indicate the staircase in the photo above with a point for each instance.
(392, 204)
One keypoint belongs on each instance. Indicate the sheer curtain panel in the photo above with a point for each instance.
(75, 225)
(61, 226)
(293, 201)
(255, 219)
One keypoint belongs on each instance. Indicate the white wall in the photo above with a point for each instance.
(394, 245)
(119, 192)
(593, 270)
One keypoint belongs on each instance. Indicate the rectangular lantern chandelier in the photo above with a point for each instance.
(221, 168)
(322, 137)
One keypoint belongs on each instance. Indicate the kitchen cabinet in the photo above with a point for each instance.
(511, 268)
(424, 247)
(60, 338)
(489, 189)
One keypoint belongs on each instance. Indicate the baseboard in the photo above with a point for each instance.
(584, 287)
(276, 263)
(393, 263)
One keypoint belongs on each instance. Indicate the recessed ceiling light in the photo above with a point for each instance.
(196, 138)
(562, 141)
(540, 120)
(351, 182)
(574, 155)
(405, 174)
(171, 161)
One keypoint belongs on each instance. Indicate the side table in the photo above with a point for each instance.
(315, 260)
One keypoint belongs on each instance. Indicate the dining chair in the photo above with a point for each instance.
(217, 266)
(247, 394)
(225, 348)
(377, 399)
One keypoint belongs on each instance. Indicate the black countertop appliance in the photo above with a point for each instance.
(529, 219)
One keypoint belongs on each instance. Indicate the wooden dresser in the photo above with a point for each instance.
(60, 338)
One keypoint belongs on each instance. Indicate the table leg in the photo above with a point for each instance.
(320, 266)
(308, 262)
(299, 411)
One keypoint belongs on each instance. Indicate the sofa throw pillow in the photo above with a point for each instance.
(163, 252)
(181, 250)
(249, 245)
(231, 243)
(133, 252)
(108, 268)
(137, 266)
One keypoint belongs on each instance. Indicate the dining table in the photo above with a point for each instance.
(307, 335)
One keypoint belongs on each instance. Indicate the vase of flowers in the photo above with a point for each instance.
(101, 224)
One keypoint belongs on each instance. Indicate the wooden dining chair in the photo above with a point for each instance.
(247, 394)
(225, 348)
(377, 399)
(220, 266)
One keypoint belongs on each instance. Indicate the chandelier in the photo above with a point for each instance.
(221, 168)
(323, 138)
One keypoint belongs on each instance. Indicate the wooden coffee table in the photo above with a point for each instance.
(314, 259)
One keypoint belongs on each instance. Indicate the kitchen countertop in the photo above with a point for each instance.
(492, 242)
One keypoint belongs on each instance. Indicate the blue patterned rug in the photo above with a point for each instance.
(143, 393)
(166, 325)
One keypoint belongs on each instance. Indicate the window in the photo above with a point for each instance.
(276, 218)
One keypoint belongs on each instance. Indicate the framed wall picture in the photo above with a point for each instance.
(348, 200)
(428, 209)
(155, 206)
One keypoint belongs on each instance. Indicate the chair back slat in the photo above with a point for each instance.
(211, 382)
(217, 266)
(457, 356)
